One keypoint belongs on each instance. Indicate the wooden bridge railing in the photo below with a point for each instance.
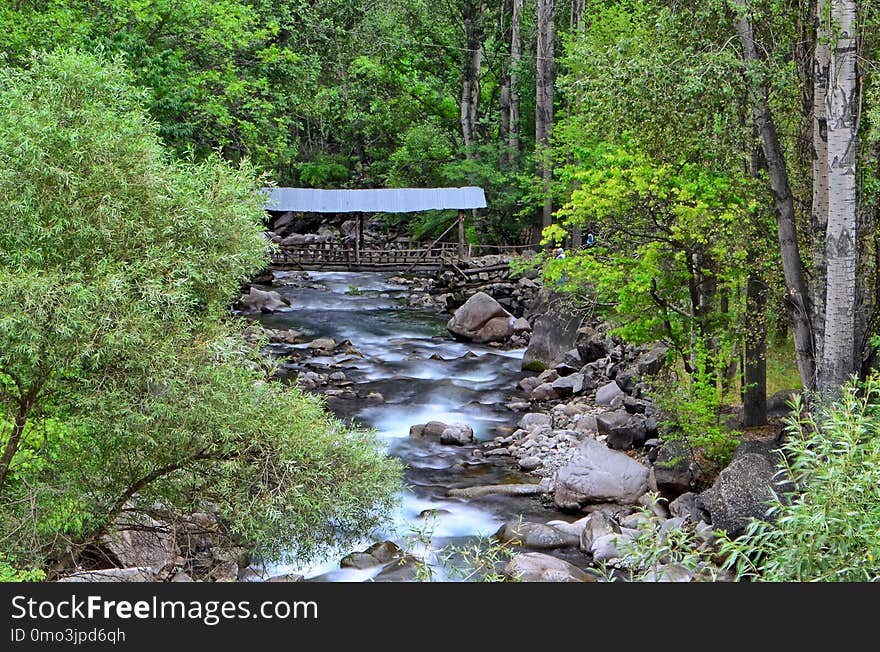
(401, 255)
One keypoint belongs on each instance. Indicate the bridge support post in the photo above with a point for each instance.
(462, 254)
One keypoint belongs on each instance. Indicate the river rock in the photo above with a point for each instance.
(741, 493)
(323, 344)
(457, 434)
(480, 491)
(143, 542)
(432, 429)
(608, 547)
(569, 363)
(529, 383)
(553, 333)
(359, 560)
(535, 535)
(538, 567)
(586, 422)
(532, 420)
(595, 525)
(674, 468)
(652, 362)
(622, 430)
(530, 463)
(113, 575)
(627, 379)
(568, 385)
(590, 345)
(522, 325)
(609, 394)
(287, 577)
(687, 506)
(669, 573)
(597, 474)
(481, 319)
(543, 392)
(262, 301)
(385, 551)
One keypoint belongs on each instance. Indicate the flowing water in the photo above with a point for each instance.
(423, 375)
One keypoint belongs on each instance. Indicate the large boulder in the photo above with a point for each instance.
(597, 474)
(144, 542)
(113, 575)
(262, 301)
(457, 434)
(591, 346)
(534, 420)
(675, 470)
(536, 535)
(652, 362)
(538, 567)
(568, 385)
(553, 334)
(622, 430)
(609, 394)
(741, 492)
(481, 319)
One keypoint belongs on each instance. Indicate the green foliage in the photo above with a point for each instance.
(826, 530)
(668, 250)
(123, 382)
(692, 410)
(9, 573)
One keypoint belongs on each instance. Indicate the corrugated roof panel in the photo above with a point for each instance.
(385, 200)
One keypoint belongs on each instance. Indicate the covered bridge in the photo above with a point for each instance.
(361, 202)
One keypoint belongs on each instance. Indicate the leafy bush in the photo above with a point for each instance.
(692, 407)
(124, 384)
(828, 530)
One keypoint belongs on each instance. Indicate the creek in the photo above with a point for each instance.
(423, 375)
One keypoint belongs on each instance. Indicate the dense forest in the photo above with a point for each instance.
(721, 155)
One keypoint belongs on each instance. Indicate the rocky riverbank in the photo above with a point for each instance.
(581, 471)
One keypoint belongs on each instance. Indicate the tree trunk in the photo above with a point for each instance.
(544, 102)
(470, 85)
(837, 362)
(797, 303)
(576, 24)
(504, 96)
(754, 393)
(515, 62)
(819, 212)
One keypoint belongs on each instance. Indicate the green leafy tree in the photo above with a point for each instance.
(123, 383)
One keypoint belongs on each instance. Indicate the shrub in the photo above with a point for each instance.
(124, 385)
(828, 530)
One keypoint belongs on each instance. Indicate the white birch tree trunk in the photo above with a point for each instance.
(838, 355)
(819, 213)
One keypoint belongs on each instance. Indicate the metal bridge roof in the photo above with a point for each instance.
(385, 200)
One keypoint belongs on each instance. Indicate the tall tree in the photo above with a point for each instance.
(797, 298)
(470, 83)
(838, 351)
(515, 63)
(544, 86)
(820, 177)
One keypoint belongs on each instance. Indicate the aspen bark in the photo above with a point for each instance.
(838, 359)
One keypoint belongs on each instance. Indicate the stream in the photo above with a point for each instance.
(423, 375)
